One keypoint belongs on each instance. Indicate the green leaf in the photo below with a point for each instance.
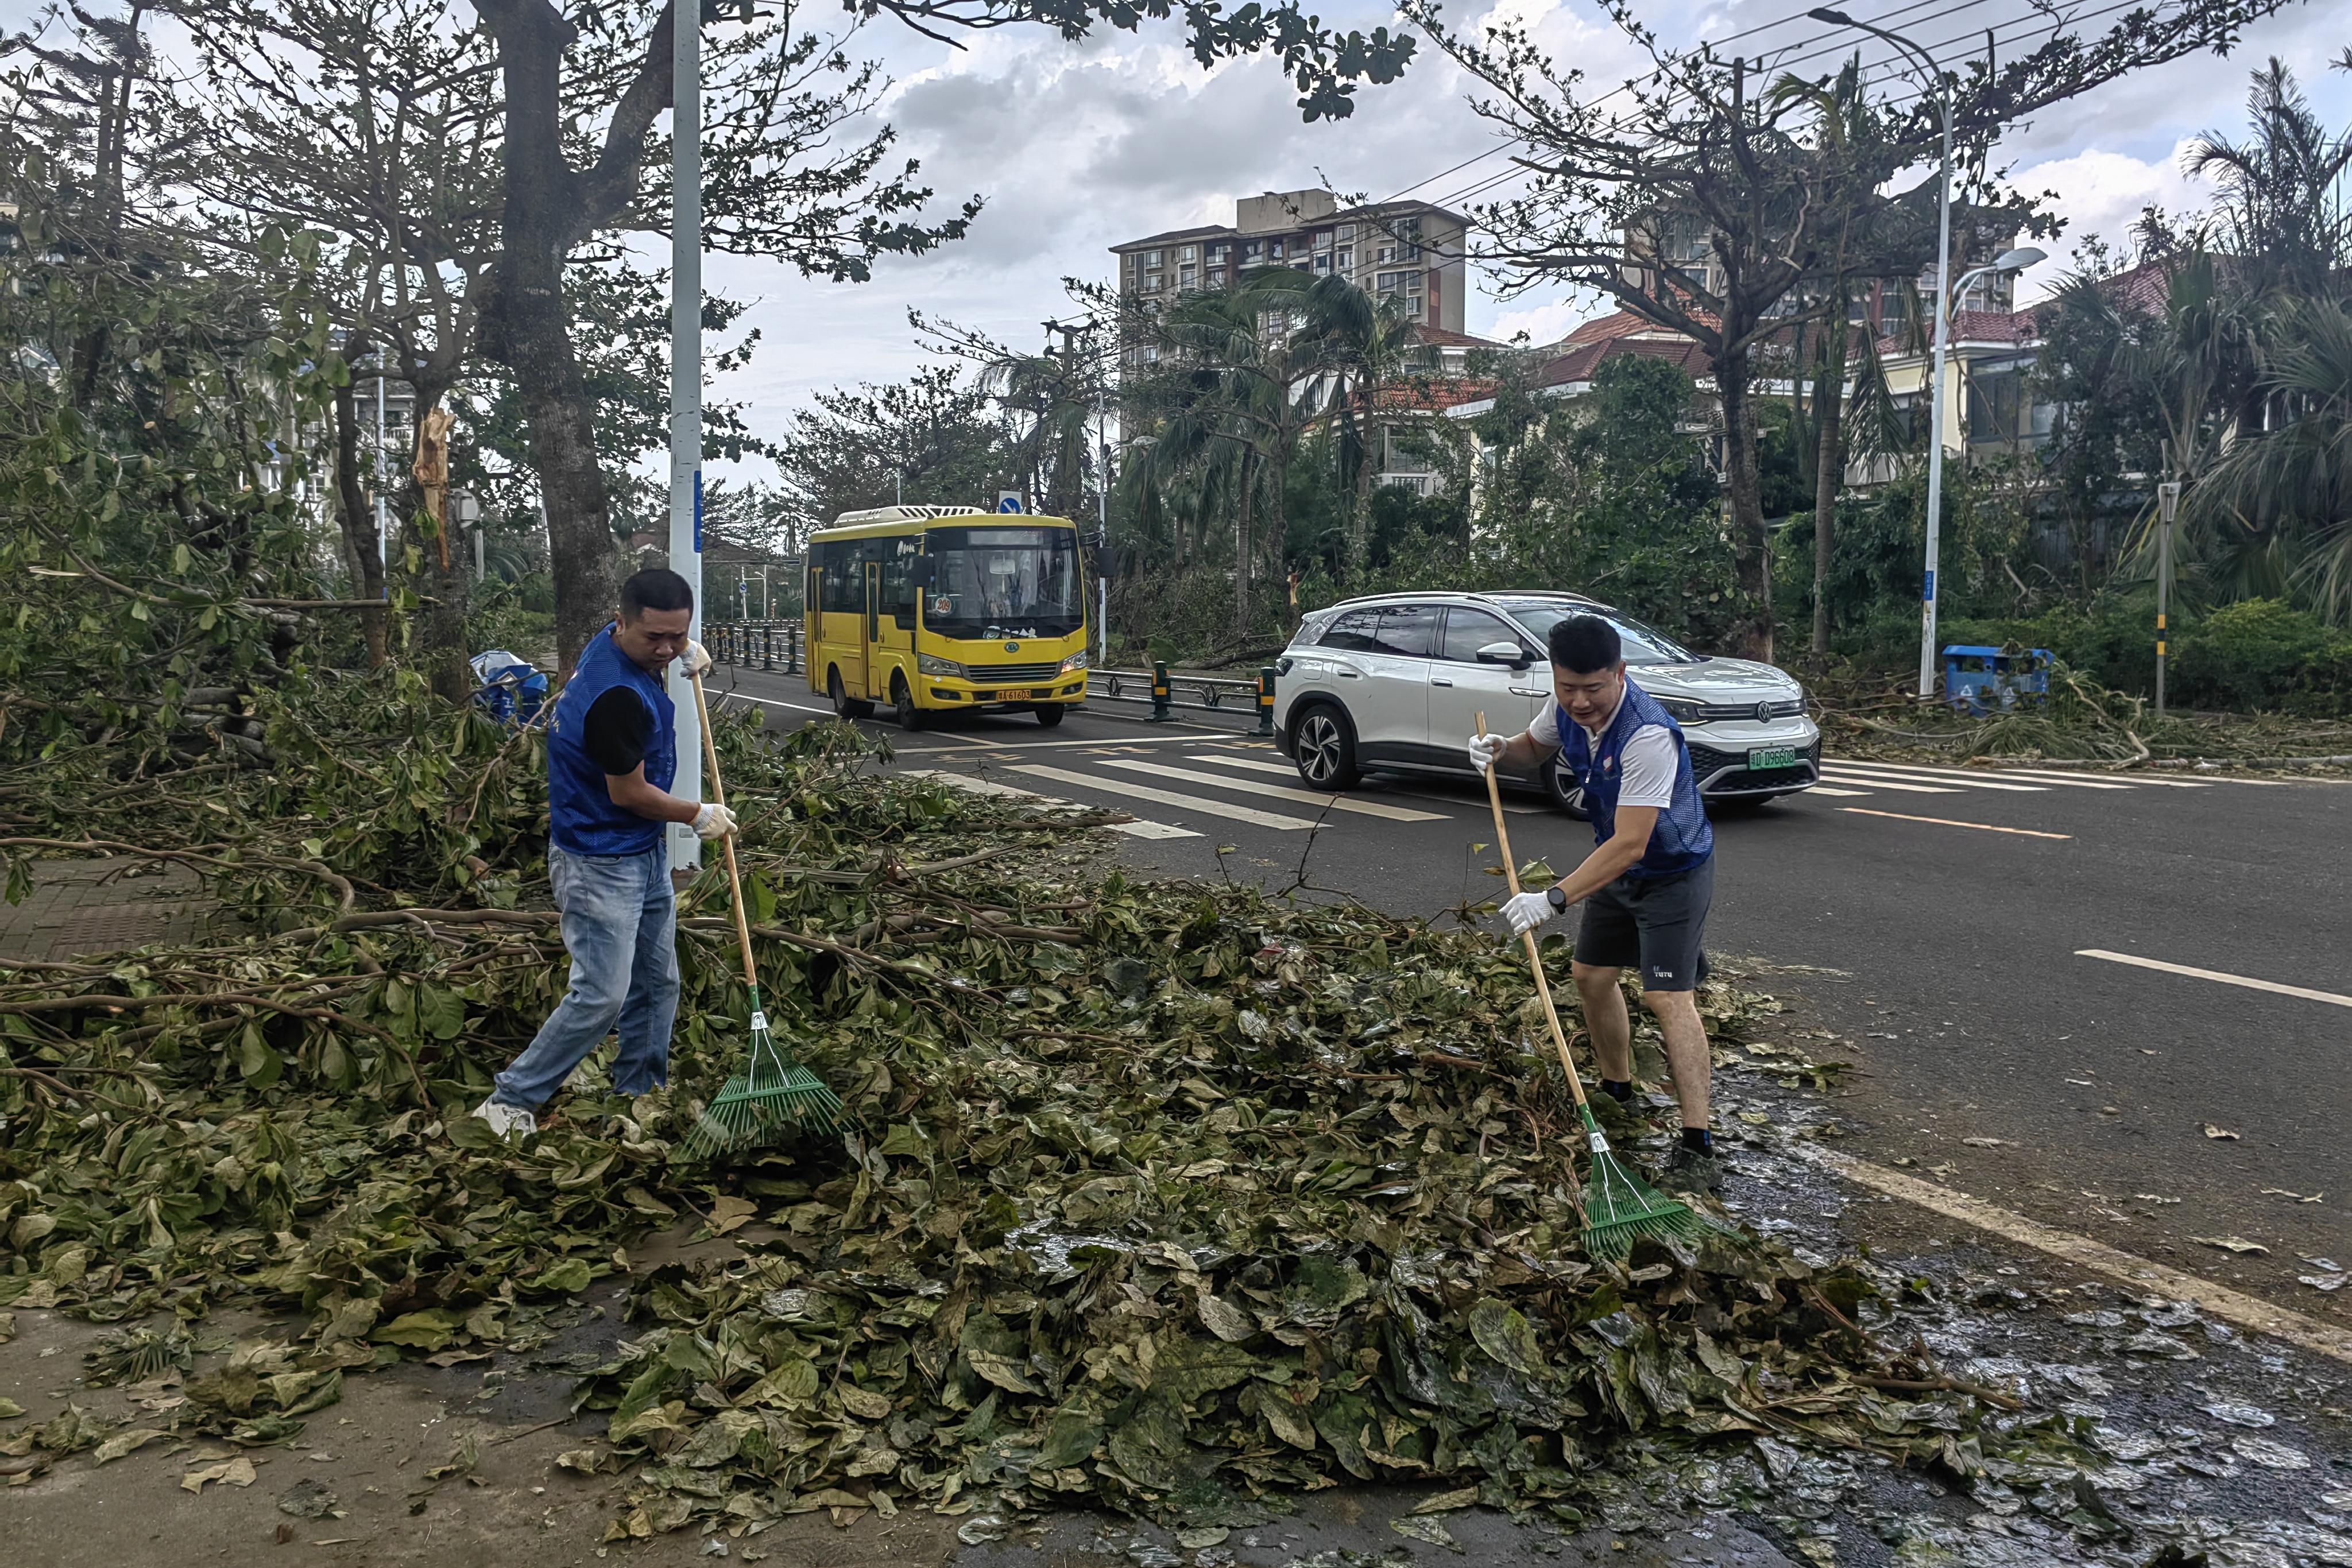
(1505, 1334)
(428, 1330)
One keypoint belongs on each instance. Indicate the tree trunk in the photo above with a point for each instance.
(1829, 470)
(361, 539)
(1360, 521)
(1751, 555)
(441, 645)
(527, 328)
(1245, 549)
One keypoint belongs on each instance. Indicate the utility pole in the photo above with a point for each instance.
(685, 397)
(2168, 507)
(383, 512)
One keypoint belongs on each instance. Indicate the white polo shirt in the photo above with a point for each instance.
(1645, 767)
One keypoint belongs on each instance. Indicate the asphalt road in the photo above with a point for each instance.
(1936, 920)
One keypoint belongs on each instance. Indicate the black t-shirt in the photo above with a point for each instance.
(619, 732)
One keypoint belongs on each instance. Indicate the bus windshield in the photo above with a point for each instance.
(1004, 582)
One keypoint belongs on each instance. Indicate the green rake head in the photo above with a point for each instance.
(1620, 1206)
(772, 1100)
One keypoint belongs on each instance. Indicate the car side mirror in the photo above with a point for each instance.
(1510, 654)
(920, 572)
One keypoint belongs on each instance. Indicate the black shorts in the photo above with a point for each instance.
(1652, 924)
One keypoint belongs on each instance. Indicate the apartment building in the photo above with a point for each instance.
(1411, 252)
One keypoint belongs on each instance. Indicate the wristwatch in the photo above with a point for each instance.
(1558, 895)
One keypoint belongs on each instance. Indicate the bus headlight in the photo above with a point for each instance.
(931, 664)
(1077, 661)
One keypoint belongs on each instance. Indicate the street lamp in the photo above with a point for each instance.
(686, 395)
(1947, 301)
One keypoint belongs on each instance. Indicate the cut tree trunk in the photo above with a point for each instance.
(441, 629)
(1751, 554)
(1828, 473)
(361, 539)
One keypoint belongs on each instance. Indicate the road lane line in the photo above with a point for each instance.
(1970, 775)
(1200, 803)
(1336, 802)
(1872, 773)
(2174, 1284)
(1139, 829)
(2216, 976)
(1827, 789)
(1953, 823)
(1887, 783)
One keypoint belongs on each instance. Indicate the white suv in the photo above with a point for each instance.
(1394, 684)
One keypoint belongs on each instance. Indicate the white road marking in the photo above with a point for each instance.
(2216, 976)
(1829, 773)
(2153, 1278)
(1285, 770)
(965, 781)
(1873, 773)
(1826, 789)
(1103, 745)
(1336, 803)
(1955, 822)
(1122, 787)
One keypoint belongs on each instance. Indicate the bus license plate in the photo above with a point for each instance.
(1015, 694)
(1769, 756)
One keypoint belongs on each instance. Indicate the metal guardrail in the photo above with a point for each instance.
(783, 646)
(779, 645)
(1162, 687)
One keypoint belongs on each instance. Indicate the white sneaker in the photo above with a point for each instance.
(511, 1123)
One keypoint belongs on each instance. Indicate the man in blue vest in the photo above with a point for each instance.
(612, 751)
(1645, 886)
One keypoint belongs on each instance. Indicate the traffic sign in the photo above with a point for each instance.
(1008, 500)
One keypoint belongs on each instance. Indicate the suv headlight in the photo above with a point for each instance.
(1077, 661)
(1682, 710)
(931, 664)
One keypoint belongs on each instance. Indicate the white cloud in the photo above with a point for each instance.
(2100, 195)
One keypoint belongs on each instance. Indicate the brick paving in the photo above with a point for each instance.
(80, 907)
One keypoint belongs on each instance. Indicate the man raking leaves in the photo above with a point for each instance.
(1645, 886)
(611, 752)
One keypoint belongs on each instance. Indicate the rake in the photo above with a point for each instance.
(774, 1096)
(1618, 1205)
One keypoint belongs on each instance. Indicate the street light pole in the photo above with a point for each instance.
(1942, 93)
(686, 396)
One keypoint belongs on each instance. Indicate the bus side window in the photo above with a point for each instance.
(898, 589)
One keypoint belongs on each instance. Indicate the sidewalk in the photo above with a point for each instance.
(92, 906)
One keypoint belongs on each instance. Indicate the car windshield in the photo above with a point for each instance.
(1643, 645)
(1004, 582)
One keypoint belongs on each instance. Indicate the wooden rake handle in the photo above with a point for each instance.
(1535, 958)
(719, 796)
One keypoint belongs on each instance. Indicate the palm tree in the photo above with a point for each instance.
(2275, 513)
(1366, 346)
(1252, 372)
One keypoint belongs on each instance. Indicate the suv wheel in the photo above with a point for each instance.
(1323, 745)
(1564, 792)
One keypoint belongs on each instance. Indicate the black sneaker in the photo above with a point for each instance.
(1614, 1114)
(1691, 1170)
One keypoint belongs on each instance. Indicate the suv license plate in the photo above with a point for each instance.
(1023, 695)
(1769, 756)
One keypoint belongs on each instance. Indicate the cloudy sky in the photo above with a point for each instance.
(1075, 148)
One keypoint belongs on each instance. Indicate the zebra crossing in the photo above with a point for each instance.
(1856, 780)
(1213, 784)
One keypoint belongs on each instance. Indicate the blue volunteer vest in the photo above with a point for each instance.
(582, 817)
(1684, 837)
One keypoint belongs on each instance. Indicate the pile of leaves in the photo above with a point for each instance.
(1168, 1194)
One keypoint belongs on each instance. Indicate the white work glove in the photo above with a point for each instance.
(695, 660)
(713, 821)
(1526, 911)
(1485, 750)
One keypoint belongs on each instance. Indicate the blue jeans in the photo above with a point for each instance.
(620, 922)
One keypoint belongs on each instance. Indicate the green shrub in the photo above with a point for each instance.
(2262, 653)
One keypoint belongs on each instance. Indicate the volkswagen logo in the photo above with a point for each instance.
(1013, 647)
(1763, 713)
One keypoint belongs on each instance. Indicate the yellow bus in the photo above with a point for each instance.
(929, 610)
